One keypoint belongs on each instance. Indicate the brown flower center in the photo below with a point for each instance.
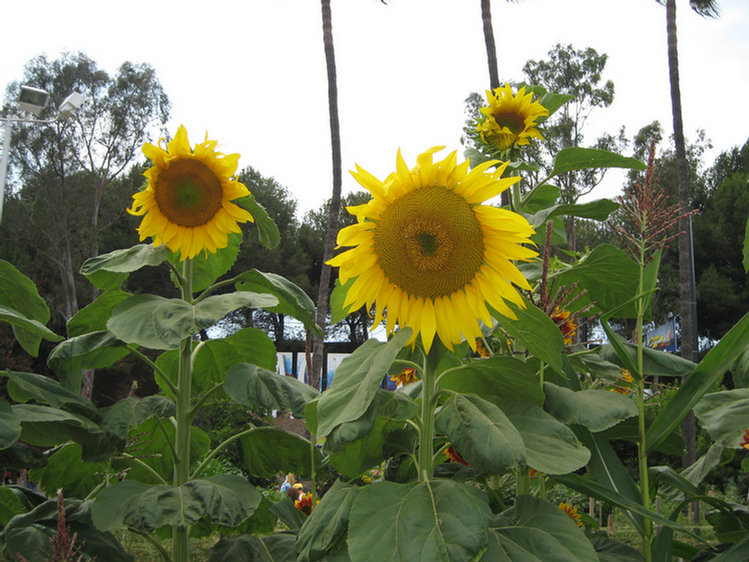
(188, 193)
(429, 242)
(513, 121)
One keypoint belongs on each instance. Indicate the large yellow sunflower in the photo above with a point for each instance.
(510, 119)
(187, 202)
(427, 250)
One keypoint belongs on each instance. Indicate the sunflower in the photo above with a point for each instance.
(187, 202)
(427, 250)
(305, 503)
(572, 512)
(406, 376)
(510, 120)
(623, 385)
(565, 323)
(454, 456)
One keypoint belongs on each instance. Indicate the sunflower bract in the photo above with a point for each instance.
(187, 202)
(427, 250)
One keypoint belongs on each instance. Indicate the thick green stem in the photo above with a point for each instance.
(180, 534)
(426, 435)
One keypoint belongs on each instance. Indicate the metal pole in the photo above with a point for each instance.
(4, 163)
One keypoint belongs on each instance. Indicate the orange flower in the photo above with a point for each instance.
(566, 324)
(571, 511)
(406, 376)
(623, 386)
(453, 456)
(481, 348)
(305, 503)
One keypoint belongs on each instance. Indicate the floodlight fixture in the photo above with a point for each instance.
(32, 99)
(70, 105)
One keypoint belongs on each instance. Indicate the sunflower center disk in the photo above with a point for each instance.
(429, 242)
(511, 120)
(188, 193)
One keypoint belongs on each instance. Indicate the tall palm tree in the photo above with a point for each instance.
(688, 306)
(335, 199)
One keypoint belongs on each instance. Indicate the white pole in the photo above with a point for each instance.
(4, 163)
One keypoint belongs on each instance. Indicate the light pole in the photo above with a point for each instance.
(31, 100)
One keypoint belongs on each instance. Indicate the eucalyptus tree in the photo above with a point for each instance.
(66, 170)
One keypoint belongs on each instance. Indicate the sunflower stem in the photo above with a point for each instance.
(426, 432)
(181, 533)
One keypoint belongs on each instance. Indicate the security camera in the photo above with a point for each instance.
(70, 105)
(32, 100)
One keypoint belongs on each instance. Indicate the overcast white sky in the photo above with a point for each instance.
(252, 73)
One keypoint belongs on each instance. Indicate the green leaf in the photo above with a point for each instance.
(65, 470)
(608, 275)
(31, 328)
(23, 387)
(595, 409)
(598, 210)
(327, 525)
(227, 500)
(740, 370)
(606, 467)
(18, 293)
(292, 300)
(278, 547)
(438, 520)
(696, 472)
(745, 261)
(498, 375)
(337, 300)
(28, 534)
(126, 260)
(213, 358)
(538, 532)
(577, 158)
(266, 451)
(668, 477)
(261, 389)
(159, 323)
(93, 318)
(150, 442)
(209, 266)
(10, 425)
(10, 505)
(550, 446)
(693, 388)
(131, 411)
(539, 198)
(725, 415)
(356, 381)
(655, 363)
(267, 230)
(288, 513)
(536, 332)
(94, 350)
(609, 550)
(481, 433)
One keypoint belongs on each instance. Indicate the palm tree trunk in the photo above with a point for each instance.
(491, 48)
(335, 200)
(686, 284)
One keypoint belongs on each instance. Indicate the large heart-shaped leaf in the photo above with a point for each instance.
(159, 323)
(579, 158)
(267, 230)
(278, 547)
(498, 375)
(131, 411)
(266, 451)
(23, 387)
(262, 389)
(227, 500)
(10, 425)
(535, 331)
(47, 427)
(23, 305)
(292, 300)
(536, 531)
(725, 415)
(437, 520)
(356, 381)
(94, 350)
(595, 409)
(67, 472)
(481, 433)
(328, 523)
(93, 318)
(126, 260)
(550, 446)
